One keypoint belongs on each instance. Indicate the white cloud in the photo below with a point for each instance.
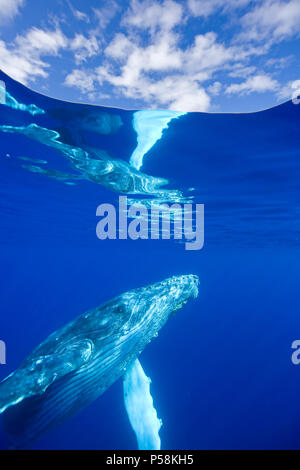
(207, 53)
(160, 55)
(120, 47)
(19, 67)
(81, 16)
(181, 94)
(296, 92)
(279, 62)
(215, 88)
(257, 83)
(78, 14)
(241, 71)
(83, 47)
(162, 72)
(23, 59)
(37, 42)
(106, 13)
(150, 14)
(208, 7)
(9, 9)
(177, 92)
(272, 20)
(81, 79)
(289, 91)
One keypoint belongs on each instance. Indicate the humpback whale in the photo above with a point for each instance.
(77, 363)
(95, 165)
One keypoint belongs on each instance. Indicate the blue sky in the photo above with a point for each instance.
(187, 55)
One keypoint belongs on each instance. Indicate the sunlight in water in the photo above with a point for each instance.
(8, 100)
(149, 126)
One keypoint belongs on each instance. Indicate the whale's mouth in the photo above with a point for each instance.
(176, 291)
(179, 306)
(183, 288)
(187, 287)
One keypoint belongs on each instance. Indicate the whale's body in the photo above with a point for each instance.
(76, 364)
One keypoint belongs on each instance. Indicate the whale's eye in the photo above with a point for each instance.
(120, 309)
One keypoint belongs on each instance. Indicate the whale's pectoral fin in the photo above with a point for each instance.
(36, 375)
(139, 406)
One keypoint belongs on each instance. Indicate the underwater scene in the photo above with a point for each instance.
(149, 273)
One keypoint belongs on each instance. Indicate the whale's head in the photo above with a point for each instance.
(146, 309)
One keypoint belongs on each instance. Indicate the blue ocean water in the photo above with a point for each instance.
(221, 369)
